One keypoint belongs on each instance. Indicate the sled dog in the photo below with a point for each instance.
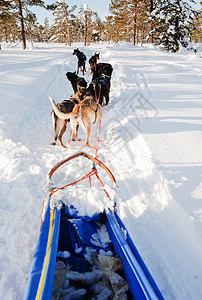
(84, 114)
(81, 60)
(93, 60)
(66, 106)
(76, 80)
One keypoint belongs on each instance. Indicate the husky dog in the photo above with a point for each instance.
(93, 60)
(84, 114)
(76, 80)
(81, 60)
(66, 106)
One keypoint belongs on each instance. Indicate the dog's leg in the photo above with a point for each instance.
(77, 69)
(101, 99)
(88, 130)
(56, 127)
(72, 132)
(77, 130)
(84, 69)
(62, 131)
(98, 129)
(70, 137)
(107, 98)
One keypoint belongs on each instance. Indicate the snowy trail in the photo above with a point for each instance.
(149, 121)
(149, 199)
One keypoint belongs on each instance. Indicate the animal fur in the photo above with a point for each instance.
(76, 80)
(81, 60)
(66, 106)
(93, 60)
(102, 69)
(100, 85)
(84, 114)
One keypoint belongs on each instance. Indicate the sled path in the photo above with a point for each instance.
(154, 202)
(159, 226)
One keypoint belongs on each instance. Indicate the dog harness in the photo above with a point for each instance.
(95, 110)
(82, 56)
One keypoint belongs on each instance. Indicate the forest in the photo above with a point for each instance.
(170, 24)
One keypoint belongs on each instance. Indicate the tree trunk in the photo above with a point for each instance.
(68, 29)
(135, 23)
(22, 25)
(151, 23)
(134, 31)
(85, 32)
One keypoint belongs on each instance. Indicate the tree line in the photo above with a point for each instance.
(169, 24)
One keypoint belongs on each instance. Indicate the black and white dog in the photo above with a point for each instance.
(76, 80)
(81, 60)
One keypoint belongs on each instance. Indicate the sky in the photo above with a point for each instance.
(99, 6)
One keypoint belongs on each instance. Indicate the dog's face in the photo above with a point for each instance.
(97, 55)
(81, 89)
(71, 76)
(81, 82)
(76, 52)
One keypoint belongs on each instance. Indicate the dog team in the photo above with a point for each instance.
(84, 106)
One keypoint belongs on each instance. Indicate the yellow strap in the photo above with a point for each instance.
(47, 254)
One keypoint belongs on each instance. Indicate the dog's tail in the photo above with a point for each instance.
(60, 114)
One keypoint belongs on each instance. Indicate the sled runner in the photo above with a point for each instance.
(86, 257)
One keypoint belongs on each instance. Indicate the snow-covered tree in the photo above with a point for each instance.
(197, 33)
(8, 21)
(130, 19)
(89, 23)
(63, 21)
(22, 12)
(31, 28)
(173, 23)
(46, 29)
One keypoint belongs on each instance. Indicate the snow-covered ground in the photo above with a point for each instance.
(151, 140)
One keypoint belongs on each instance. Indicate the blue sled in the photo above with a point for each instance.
(65, 231)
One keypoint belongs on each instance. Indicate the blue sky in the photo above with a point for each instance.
(99, 6)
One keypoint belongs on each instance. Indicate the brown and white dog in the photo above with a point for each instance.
(66, 106)
(84, 114)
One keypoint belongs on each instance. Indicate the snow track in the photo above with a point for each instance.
(138, 140)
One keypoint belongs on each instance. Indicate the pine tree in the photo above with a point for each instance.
(46, 30)
(97, 29)
(197, 33)
(87, 24)
(173, 21)
(107, 33)
(130, 19)
(22, 8)
(63, 21)
(8, 22)
(31, 28)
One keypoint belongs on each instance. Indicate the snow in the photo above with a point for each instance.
(151, 139)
